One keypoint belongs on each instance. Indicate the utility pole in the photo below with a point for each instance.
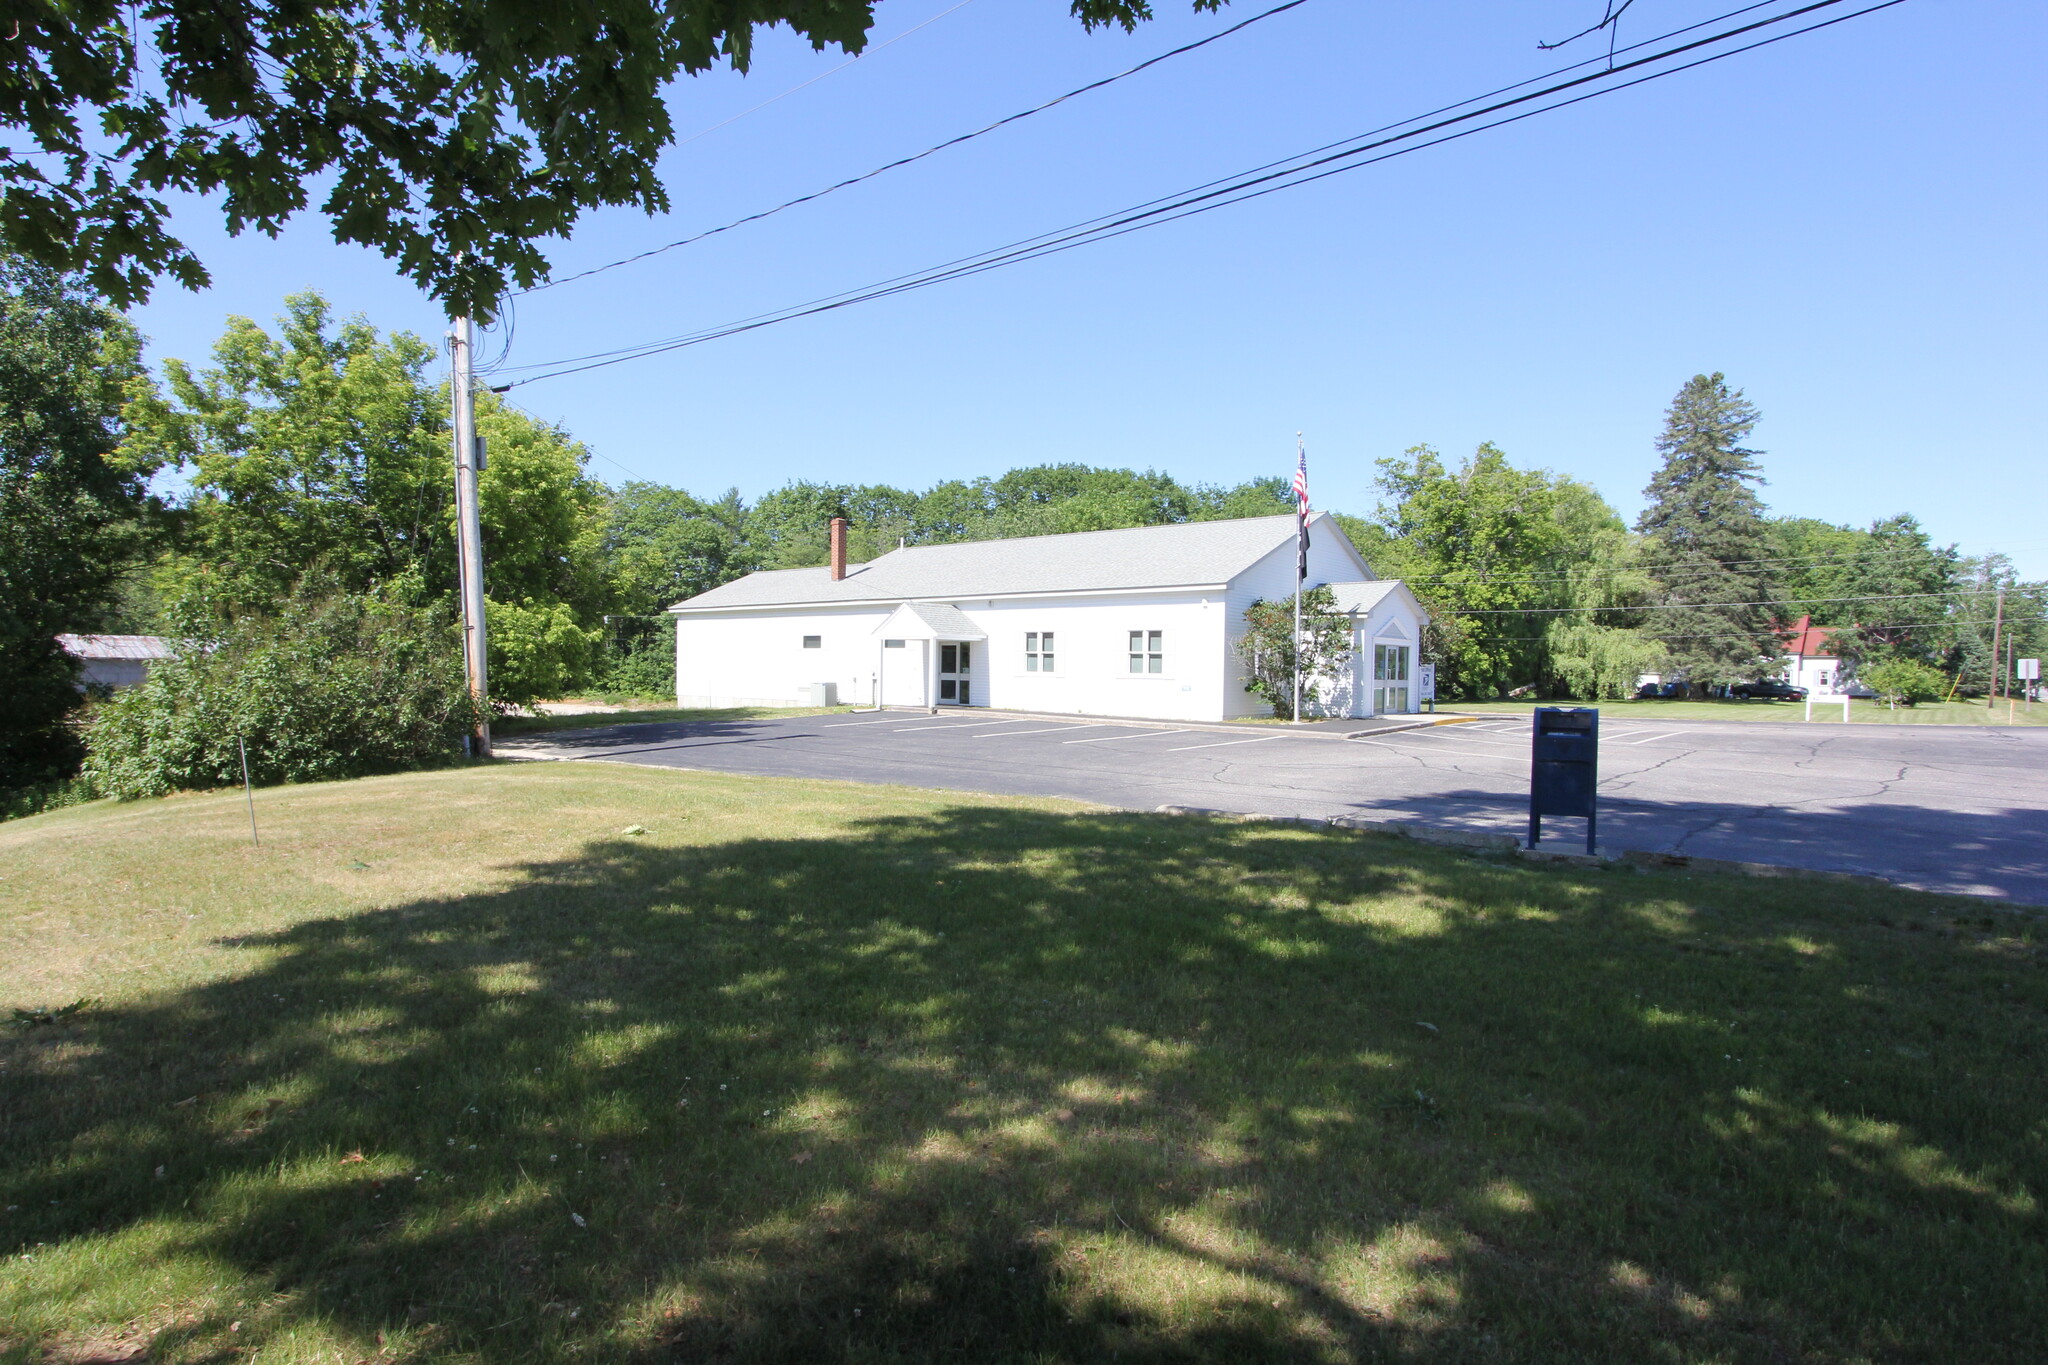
(2010, 719)
(468, 534)
(1997, 624)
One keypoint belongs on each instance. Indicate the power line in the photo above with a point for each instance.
(1235, 190)
(533, 416)
(1700, 606)
(1581, 575)
(1759, 4)
(1609, 20)
(1036, 244)
(832, 71)
(1644, 635)
(919, 156)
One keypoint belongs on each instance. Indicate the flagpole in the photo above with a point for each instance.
(1301, 559)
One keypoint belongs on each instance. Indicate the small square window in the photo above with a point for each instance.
(1147, 651)
(1038, 651)
(814, 642)
(892, 644)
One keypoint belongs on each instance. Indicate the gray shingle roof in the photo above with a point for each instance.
(1363, 597)
(1185, 554)
(941, 622)
(115, 646)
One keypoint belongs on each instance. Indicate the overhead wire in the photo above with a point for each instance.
(913, 278)
(919, 156)
(1248, 185)
(531, 415)
(1700, 606)
(832, 71)
(1384, 128)
(1580, 575)
(1610, 20)
(1951, 624)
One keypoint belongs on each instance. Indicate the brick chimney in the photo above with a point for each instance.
(838, 548)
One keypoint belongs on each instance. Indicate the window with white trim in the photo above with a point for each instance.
(1038, 651)
(1147, 651)
(814, 642)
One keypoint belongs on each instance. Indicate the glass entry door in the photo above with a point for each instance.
(956, 663)
(1389, 680)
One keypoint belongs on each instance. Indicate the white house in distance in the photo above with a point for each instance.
(1138, 623)
(113, 661)
(1811, 660)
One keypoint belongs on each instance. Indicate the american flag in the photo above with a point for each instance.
(1301, 513)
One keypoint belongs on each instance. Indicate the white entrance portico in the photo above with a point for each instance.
(926, 655)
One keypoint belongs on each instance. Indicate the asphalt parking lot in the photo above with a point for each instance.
(1942, 808)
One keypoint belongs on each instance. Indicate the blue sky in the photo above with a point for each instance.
(1848, 224)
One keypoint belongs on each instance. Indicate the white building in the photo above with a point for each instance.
(1141, 622)
(113, 661)
(1813, 661)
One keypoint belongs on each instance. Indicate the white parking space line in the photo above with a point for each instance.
(1049, 730)
(1142, 734)
(1653, 738)
(970, 725)
(1255, 739)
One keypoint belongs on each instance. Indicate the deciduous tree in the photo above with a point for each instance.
(71, 501)
(1904, 589)
(661, 545)
(1478, 547)
(326, 446)
(453, 138)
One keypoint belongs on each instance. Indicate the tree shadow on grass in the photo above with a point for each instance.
(1000, 1084)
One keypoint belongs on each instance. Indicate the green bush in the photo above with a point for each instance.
(537, 650)
(649, 671)
(331, 687)
(34, 799)
(1904, 682)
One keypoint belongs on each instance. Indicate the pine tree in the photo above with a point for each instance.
(1706, 535)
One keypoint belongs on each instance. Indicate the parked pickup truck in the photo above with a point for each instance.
(1768, 689)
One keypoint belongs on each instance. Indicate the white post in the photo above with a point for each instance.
(248, 792)
(1844, 699)
(1297, 649)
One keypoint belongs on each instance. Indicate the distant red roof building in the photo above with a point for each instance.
(1809, 641)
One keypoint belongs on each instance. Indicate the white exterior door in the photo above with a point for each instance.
(1390, 686)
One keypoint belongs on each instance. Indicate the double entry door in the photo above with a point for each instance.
(1389, 680)
(956, 667)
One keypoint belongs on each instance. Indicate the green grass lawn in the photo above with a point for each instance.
(533, 725)
(453, 1068)
(1830, 713)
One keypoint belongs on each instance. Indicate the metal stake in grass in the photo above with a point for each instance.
(247, 791)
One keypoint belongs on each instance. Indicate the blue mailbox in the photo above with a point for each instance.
(1564, 767)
